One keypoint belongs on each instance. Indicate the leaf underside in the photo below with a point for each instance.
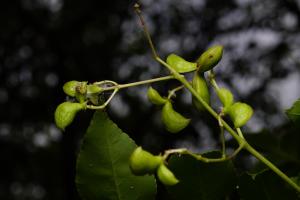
(202, 181)
(103, 165)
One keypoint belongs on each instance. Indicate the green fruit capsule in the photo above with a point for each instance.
(199, 84)
(210, 58)
(65, 113)
(94, 89)
(70, 88)
(240, 113)
(166, 176)
(155, 98)
(225, 97)
(173, 121)
(180, 65)
(142, 162)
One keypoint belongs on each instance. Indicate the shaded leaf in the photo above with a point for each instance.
(294, 112)
(264, 186)
(202, 181)
(103, 165)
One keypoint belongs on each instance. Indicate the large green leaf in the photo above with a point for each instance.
(202, 181)
(103, 165)
(294, 112)
(264, 186)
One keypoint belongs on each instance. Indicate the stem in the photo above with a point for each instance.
(173, 91)
(240, 132)
(272, 166)
(145, 29)
(121, 86)
(211, 76)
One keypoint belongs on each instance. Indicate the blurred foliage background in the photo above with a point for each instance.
(44, 43)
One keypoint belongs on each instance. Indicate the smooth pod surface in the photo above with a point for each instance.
(210, 58)
(225, 97)
(180, 64)
(200, 85)
(65, 113)
(240, 113)
(142, 162)
(166, 176)
(173, 121)
(154, 97)
(70, 88)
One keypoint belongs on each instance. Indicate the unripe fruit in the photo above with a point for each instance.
(240, 113)
(173, 121)
(225, 97)
(142, 162)
(65, 113)
(93, 89)
(81, 90)
(70, 88)
(199, 84)
(180, 64)
(210, 58)
(166, 176)
(155, 98)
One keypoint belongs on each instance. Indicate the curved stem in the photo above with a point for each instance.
(121, 86)
(173, 91)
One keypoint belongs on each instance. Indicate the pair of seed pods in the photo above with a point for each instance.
(66, 111)
(142, 162)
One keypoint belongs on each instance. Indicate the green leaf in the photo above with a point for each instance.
(266, 186)
(103, 165)
(201, 181)
(294, 112)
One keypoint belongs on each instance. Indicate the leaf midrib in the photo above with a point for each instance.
(114, 173)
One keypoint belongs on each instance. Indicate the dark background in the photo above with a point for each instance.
(44, 43)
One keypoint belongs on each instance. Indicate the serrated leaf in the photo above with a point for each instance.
(266, 186)
(202, 181)
(294, 112)
(103, 165)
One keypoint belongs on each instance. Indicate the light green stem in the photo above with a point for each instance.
(121, 86)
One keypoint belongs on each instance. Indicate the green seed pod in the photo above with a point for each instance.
(180, 65)
(240, 113)
(93, 89)
(225, 97)
(155, 98)
(81, 91)
(199, 84)
(142, 162)
(65, 113)
(70, 88)
(166, 176)
(173, 121)
(210, 58)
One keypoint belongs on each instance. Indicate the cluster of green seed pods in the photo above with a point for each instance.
(81, 92)
(173, 121)
(142, 162)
